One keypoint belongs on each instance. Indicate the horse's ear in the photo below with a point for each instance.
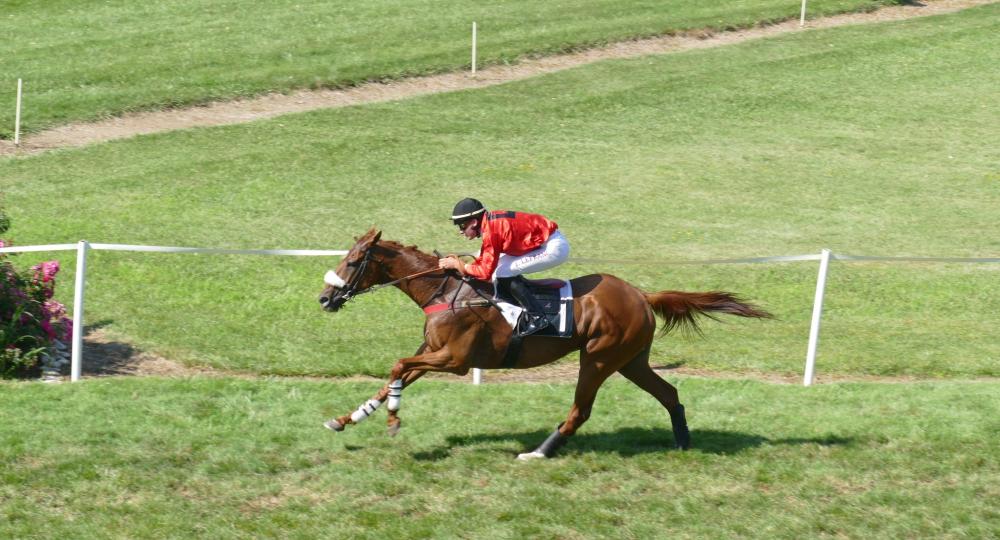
(369, 237)
(378, 234)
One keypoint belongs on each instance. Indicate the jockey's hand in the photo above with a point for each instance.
(451, 262)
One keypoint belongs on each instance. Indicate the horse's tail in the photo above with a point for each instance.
(681, 308)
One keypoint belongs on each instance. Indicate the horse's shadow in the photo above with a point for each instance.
(628, 442)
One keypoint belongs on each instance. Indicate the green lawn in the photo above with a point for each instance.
(227, 458)
(88, 59)
(867, 140)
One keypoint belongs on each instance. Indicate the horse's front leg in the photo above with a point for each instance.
(440, 360)
(369, 407)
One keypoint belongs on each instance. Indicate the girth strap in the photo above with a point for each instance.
(513, 350)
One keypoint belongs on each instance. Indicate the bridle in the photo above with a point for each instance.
(350, 290)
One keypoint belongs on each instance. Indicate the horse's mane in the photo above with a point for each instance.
(395, 248)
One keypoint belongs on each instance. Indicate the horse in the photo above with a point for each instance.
(614, 324)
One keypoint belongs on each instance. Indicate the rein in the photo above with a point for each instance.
(395, 281)
(352, 292)
(351, 289)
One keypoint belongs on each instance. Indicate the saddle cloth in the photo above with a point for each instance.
(556, 299)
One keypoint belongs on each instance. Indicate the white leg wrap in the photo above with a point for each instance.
(365, 410)
(395, 394)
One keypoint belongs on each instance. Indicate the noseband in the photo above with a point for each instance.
(351, 289)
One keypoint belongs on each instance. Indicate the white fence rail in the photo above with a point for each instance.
(82, 247)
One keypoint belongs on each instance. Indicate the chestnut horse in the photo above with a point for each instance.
(614, 326)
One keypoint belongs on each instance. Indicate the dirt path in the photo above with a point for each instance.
(235, 112)
(105, 357)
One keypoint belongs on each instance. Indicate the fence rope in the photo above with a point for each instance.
(824, 256)
(581, 260)
(175, 249)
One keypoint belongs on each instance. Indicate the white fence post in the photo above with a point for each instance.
(473, 47)
(76, 361)
(802, 18)
(477, 376)
(824, 264)
(17, 116)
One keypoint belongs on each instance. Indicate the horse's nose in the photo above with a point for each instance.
(324, 300)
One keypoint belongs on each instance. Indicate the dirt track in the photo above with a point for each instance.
(105, 357)
(235, 112)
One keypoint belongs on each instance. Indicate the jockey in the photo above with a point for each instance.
(514, 243)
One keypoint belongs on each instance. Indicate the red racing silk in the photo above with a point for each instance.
(511, 233)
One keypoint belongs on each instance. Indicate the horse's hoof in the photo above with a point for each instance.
(333, 425)
(682, 441)
(528, 456)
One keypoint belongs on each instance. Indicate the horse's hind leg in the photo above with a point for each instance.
(590, 380)
(639, 372)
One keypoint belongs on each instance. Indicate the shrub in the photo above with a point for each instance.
(30, 320)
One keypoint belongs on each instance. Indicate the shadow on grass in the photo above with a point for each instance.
(103, 356)
(629, 442)
(100, 357)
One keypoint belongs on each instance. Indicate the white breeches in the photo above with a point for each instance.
(552, 253)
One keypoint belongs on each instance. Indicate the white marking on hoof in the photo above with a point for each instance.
(333, 425)
(528, 456)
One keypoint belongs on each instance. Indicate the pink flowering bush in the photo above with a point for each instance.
(30, 320)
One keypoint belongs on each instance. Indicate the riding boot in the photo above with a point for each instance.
(534, 315)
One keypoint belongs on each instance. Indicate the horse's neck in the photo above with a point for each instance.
(407, 260)
(421, 289)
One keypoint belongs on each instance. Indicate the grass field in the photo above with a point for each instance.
(226, 458)
(84, 60)
(867, 140)
(757, 149)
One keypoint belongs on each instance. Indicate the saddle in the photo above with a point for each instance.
(555, 297)
(549, 294)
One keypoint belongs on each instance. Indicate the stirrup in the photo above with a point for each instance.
(534, 324)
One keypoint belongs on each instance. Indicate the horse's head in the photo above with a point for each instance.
(358, 271)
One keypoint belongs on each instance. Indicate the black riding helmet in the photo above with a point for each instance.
(466, 209)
